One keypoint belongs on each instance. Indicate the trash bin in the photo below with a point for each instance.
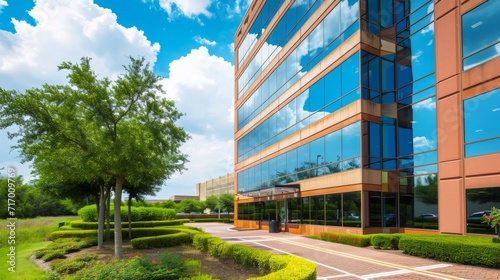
(273, 226)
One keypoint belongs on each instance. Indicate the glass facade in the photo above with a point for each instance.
(479, 202)
(389, 130)
(480, 34)
(327, 36)
(318, 101)
(340, 209)
(481, 129)
(335, 152)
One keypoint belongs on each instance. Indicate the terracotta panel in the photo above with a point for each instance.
(449, 123)
(443, 7)
(483, 165)
(482, 181)
(481, 73)
(481, 88)
(450, 169)
(468, 5)
(446, 45)
(448, 87)
(451, 207)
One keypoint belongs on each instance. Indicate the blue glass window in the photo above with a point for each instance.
(480, 34)
(481, 118)
(332, 153)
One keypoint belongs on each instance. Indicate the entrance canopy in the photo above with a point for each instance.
(273, 190)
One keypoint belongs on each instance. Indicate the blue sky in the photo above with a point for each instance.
(189, 42)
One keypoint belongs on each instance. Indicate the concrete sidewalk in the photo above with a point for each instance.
(338, 261)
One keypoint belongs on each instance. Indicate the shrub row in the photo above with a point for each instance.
(386, 241)
(73, 265)
(160, 241)
(358, 240)
(281, 267)
(212, 220)
(136, 232)
(143, 224)
(63, 246)
(89, 213)
(465, 249)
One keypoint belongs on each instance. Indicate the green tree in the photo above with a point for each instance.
(115, 130)
(190, 205)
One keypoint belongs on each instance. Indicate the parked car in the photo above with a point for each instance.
(352, 216)
(428, 216)
(475, 217)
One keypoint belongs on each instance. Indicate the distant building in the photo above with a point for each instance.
(366, 116)
(220, 185)
(152, 201)
(179, 198)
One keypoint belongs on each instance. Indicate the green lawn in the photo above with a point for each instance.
(25, 269)
(30, 235)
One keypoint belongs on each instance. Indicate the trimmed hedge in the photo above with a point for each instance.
(167, 240)
(458, 249)
(358, 240)
(89, 213)
(280, 266)
(289, 267)
(73, 233)
(60, 247)
(386, 241)
(212, 220)
(144, 224)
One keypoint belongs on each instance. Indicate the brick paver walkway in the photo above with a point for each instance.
(338, 261)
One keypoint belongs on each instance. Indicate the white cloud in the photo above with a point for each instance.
(209, 158)
(428, 104)
(422, 142)
(3, 3)
(67, 30)
(202, 87)
(204, 41)
(187, 8)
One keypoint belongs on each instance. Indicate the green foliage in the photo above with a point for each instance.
(471, 250)
(166, 266)
(89, 213)
(289, 267)
(199, 276)
(73, 234)
(344, 238)
(385, 241)
(63, 246)
(146, 224)
(212, 220)
(71, 266)
(281, 267)
(493, 219)
(30, 201)
(161, 241)
(224, 202)
(190, 205)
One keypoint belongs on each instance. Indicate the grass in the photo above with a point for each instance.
(31, 235)
(25, 269)
(32, 230)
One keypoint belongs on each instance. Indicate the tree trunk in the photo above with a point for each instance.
(107, 237)
(118, 225)
(129, 217)
(100, 220)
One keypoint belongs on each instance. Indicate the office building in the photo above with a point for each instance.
(216, 186)
(368, 116)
